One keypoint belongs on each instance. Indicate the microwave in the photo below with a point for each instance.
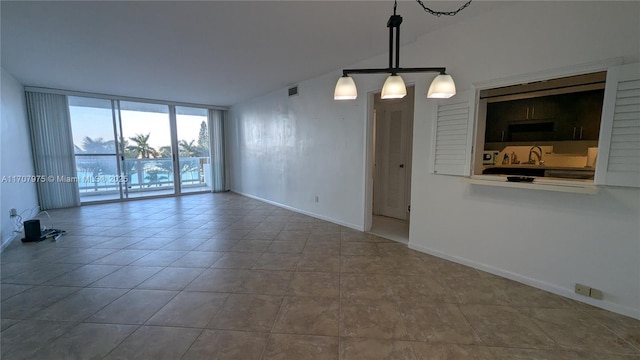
(490, 157)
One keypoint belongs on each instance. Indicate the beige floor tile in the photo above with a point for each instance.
(625, 327)
(522, 295)
(247, 312)
(426, 351)
(367, 286)
(9, 290)
(79, 305)
(237, 261)
(261, 235)
(443, 323)
(308, 316)
(155, 342)
(292, 235)
(218, 280)
(315, 284)
(265, 282)
(171, 278)
(358, 248)
(250, 246)
(289, 298)
(86, 341)
(7, 323)
(26, 337)
(372, 319)
(23, 305)
(477, 290)
(134, 307)
(375, 349)
(319, 263)
(227, 345)
(301, 347)
(189, 309)
(286, 247)
(197, 259)
(322, 236)
(327, 247)
(363, 265)
(585, 332)
(127, 277)
(358, 236)
(506, 327)
(270, 261)
(535, 354)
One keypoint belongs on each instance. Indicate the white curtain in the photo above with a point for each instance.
(216, 136)
(52, 145)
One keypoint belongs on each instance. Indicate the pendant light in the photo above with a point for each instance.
(345, 89)
(393, 88)
(442, 86)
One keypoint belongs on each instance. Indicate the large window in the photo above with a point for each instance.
(127, 149)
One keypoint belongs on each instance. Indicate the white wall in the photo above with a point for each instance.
(16, 154)
(549, 240)
(288, 150)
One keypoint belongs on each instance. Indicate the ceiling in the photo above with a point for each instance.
(207, 52)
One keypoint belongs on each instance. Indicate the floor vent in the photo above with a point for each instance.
(293, 91)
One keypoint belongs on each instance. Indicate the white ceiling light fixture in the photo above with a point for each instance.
(442, 86)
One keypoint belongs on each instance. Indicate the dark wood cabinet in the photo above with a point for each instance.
(588, 115)
(565, 117)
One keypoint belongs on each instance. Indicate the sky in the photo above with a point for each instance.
(97, 122)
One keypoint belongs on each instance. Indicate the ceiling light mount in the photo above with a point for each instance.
(394, 88)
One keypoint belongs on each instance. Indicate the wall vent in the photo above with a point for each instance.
(293, 91)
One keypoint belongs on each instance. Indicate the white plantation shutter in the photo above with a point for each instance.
(453, 130)
(618, 160)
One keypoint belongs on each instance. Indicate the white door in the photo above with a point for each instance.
(393, 159)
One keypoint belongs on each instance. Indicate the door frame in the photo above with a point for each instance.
(369, 156)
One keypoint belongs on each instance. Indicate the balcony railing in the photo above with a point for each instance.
(98, 175)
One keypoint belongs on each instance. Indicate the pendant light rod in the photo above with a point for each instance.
(392, 70)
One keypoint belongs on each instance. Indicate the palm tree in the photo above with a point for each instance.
(97, 146)
(142, 149)
(188, 149)
(165, 151)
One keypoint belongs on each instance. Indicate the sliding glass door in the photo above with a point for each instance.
(194, 160)
(147, 151)
(128, 149)
(96, 153)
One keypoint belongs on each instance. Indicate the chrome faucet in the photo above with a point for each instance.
(538, 154)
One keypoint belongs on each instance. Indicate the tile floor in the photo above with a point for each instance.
(221, 276)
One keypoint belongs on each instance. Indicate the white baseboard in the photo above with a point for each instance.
(318, 216)
(7, 241)
(553, 288)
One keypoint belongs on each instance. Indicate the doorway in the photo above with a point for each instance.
(392, 140)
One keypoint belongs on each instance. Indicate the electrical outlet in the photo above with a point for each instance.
(13, 212)
(317, 198)
(587, 291)
(596, 294)
(583, 289)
